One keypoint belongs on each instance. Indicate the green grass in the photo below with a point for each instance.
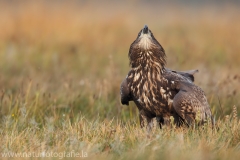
(60, 79)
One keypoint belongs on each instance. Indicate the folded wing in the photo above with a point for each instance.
(191, 103)
(125, 93)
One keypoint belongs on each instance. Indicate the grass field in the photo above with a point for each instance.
(62, 63)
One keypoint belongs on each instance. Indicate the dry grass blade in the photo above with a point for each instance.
(62, 62)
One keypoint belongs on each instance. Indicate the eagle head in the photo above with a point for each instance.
(145, 38)
(146, 48)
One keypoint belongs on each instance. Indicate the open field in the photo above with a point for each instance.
(61, 65)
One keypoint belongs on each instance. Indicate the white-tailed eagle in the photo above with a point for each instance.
(160, 92)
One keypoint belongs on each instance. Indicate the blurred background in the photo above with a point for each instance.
(65, 58)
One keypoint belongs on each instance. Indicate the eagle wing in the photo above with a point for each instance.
(125, 92)
(188, 74)
(190, 103)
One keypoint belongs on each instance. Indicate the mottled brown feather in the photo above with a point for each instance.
(160, 92)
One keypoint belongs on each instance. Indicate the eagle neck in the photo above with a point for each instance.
(148, 62)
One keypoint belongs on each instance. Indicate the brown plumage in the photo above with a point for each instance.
(160, 92)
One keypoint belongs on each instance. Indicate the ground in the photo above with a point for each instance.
(61, 66)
